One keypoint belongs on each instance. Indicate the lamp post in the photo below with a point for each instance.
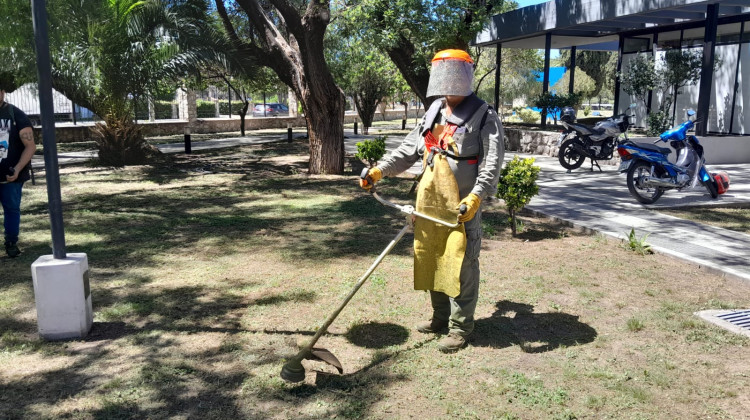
(61, 280)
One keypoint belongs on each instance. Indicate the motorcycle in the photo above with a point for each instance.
(596, 143)
(650, 173)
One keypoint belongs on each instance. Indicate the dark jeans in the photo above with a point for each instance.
(10, 197)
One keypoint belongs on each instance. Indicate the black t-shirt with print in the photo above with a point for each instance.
(12, 121)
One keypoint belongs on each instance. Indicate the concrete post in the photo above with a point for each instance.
(188, 105)
(151, 110)
(192, 107)
(63, 296)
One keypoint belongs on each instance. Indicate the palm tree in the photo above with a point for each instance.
(108, 53)
(114, 52)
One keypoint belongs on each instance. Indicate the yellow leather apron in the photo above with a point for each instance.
(438, 250)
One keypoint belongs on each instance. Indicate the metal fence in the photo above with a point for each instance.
(213, 102)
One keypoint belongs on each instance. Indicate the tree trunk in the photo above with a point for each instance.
(512, 222)
(325, 123)
(243, 113)
(294, 51)
(402, 55)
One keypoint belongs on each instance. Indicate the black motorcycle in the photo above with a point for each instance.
(596, 143)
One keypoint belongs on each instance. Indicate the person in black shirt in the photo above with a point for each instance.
(16, 149)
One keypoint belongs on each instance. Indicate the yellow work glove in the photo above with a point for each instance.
(472, 202)
(370, 177)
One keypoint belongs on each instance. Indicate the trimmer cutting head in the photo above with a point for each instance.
(293, 371)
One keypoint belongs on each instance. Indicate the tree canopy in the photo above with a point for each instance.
(411, 31)
(288, 37)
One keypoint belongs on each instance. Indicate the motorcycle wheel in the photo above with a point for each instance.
(569, 158)
(645, 195)
(711, 187)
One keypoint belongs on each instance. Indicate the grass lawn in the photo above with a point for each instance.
(732, 218)
(208, 270)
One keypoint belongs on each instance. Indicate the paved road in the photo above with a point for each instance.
(599, 201)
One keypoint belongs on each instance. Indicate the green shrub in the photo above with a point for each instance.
(371, 150)
(236, 107)
(517, 186)
(162, 110)
(205, 109)
(528, 116)
(120, 142)
(586, 111)
(658, 122)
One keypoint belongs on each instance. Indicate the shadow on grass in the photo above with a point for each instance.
(377, 335)
(516, 323)
(266, 206)
(270, 211)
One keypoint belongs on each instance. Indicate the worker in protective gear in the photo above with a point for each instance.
(459, 142)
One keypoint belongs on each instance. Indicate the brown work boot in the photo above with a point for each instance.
(452, 343)
(433, 326)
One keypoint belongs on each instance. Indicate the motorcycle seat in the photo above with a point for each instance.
(586, 129)
(654, 148)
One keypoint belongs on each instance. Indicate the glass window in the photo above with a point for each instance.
(722, 90)
(693, 37)
(632, 45)
(669, 40)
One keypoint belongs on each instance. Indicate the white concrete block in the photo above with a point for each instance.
(63, 297)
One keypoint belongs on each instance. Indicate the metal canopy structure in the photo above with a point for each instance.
(608, 25)
(595, 23)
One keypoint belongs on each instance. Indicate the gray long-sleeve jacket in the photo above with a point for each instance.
(479, 177)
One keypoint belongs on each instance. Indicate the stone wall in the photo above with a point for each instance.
(540, 143)
(82, 132)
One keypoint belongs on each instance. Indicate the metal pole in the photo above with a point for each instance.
(654, 48)
(571, 82)
(188, 145)
(229, 95)
(545, 78)
(674, 99)
(736, 78)
(498, 63)
(616, 101)
(51, 169)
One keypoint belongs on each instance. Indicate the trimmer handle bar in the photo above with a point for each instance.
(405, 208)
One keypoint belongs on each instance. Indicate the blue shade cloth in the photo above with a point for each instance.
(555, 74)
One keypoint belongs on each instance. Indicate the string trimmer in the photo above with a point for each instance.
(293, 371)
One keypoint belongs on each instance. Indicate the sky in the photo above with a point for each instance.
(524, 3)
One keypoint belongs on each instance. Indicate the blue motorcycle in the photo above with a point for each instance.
(650, 173)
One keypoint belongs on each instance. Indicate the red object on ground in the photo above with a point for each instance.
(722, 181)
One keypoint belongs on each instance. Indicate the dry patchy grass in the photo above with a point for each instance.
(208, 270)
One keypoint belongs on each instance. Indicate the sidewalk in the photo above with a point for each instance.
(598, 201)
